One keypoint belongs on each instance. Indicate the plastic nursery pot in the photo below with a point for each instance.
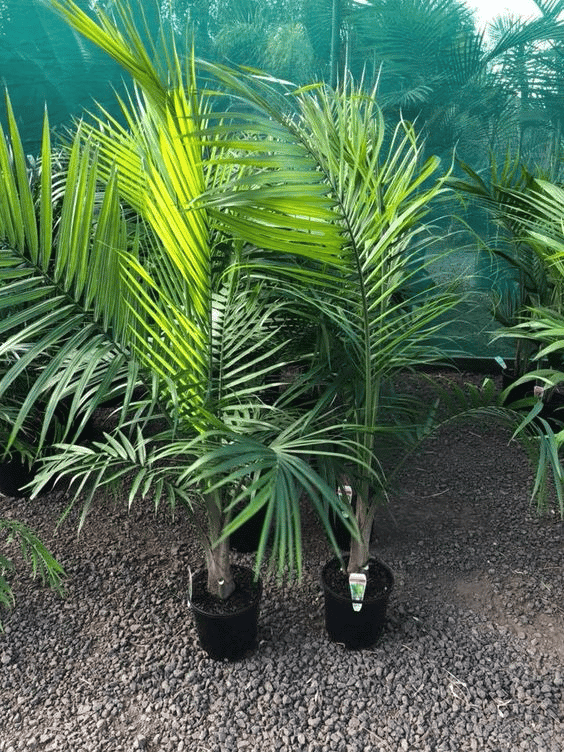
(227, 629)
(342, 535)
(247, 537)
(520, 392)
(356, 629)
(14, 474)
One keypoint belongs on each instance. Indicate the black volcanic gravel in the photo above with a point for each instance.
(471, 658)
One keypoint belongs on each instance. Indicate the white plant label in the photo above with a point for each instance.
(345, 492)
(357, 585)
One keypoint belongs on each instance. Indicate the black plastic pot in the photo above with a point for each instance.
(553, 411)
(247, 537)
(517, 393)
(356, 629)
(14, 474)
(227, 630)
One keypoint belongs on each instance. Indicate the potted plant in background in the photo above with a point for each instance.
(521, 278)
(544, 322)
(155, 274)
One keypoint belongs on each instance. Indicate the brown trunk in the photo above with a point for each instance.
(360, 549)
(220, 577)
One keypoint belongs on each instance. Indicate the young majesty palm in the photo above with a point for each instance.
(140, 273)
(382, 310)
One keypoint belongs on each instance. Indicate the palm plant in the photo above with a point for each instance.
(543, 324)
(35, 555)
(530, 67)
(146, 278)
(461, 86)
(539, 212)
(521, 278)
(41, 226)
(380, 313)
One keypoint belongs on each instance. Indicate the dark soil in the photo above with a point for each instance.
(379, 581)
(247, 590)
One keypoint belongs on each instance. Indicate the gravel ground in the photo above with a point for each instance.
(471, 658)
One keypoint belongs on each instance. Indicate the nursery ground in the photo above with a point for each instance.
(471, 658)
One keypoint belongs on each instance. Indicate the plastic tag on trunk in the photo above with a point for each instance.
(357, 585)
(345, 493)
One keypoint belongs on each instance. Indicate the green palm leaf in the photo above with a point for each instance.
(47, 287)
(35, 554)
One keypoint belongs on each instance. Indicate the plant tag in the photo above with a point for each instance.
(189, 587)
(345, 493)
(357, 585)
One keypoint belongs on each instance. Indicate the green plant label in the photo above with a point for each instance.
(357, 585)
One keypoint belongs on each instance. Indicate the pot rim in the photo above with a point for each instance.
(382, 595)
(202, 574)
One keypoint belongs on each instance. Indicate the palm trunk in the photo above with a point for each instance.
(360, 549)
(335, 50)
(220, 577)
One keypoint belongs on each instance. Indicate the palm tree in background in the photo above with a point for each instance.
(532, 70)
(461, 87)
(433, 66)
(251, 33)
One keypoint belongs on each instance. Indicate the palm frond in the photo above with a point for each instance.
(47, 287)
(35, 555)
